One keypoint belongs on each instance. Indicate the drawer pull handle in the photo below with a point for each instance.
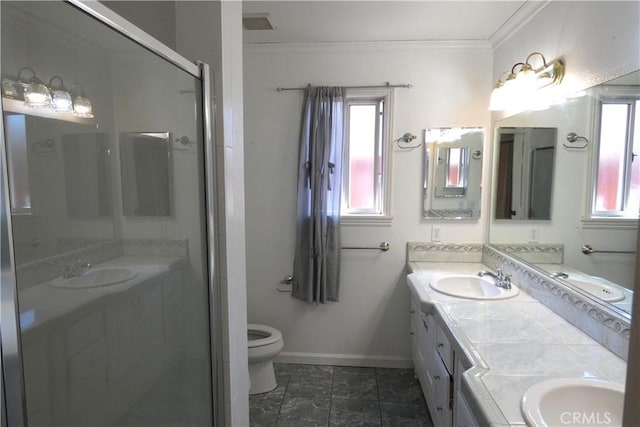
(439, 408)
(437, 378)
(412, 333)
(440, 345)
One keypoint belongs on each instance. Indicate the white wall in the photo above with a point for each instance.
(369, 324)
(212, 32)
(598, 41)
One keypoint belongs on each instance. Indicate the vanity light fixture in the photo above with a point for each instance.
(60, 96)
(36, 93)
(528, 87)
(10, 89)
(27, 94)
(81, 104)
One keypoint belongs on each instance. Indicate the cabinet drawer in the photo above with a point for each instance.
(444, 349)
(85, 331)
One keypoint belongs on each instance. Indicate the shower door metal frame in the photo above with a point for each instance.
(12, 380)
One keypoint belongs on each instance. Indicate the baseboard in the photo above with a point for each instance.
(344, 360)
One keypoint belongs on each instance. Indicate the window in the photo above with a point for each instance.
(366, 136)
(616, 189)
(18, 165)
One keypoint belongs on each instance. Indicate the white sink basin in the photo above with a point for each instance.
(602, 291)
(95, 278)
(573, 402)
(471, 287)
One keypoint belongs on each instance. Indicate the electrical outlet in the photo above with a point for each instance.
(435, 233)
(533, 235)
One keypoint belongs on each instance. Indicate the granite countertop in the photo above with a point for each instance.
(508, 345)
(41, 304)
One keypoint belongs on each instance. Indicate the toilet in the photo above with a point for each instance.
(264, 343)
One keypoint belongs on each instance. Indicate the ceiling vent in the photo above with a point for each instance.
(257, 21)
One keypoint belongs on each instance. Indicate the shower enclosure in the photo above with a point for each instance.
(107, 223)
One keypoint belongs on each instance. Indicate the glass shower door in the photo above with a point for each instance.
(106, 180)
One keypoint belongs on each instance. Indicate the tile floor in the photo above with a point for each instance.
(314, 395)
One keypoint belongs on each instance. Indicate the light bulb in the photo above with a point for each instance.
(60, 96)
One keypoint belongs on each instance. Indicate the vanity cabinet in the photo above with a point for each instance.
(438, 370)
(88, 367)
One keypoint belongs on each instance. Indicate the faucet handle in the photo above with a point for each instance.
(499, 273)
(82, 264)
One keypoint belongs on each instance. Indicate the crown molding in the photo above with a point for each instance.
(520, 18)
(367, 46)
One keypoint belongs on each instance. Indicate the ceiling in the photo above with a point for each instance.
(317, 21)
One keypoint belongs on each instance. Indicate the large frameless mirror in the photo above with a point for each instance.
(584, 233)
(452, 173)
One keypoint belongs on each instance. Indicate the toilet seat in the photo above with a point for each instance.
(267, 335)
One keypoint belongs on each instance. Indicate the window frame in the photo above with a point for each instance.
(382, 198)
(621, 219)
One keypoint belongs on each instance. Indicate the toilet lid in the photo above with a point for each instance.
(260, 335)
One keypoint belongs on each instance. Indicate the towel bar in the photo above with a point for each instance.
(384, 247)
(588, 250)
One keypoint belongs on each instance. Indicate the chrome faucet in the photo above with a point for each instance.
(75, 269)
(502, 280)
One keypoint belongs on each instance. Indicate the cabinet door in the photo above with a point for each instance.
(463, 416)
(427, 339)
(37, 383)
(87, 381)
(442, 384)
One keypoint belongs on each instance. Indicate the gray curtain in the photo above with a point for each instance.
(316, 267)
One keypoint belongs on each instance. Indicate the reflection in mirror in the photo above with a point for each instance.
(587, 204)
(86, 173)
(452, 173)
(525, 173)
(58, 184)
(146, 173)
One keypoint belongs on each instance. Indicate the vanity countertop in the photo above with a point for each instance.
(41, 304)
(509, 344)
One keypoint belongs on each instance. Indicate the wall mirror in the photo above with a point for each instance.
(566, 237)
(525, 162)
(452, 173)
(145, 162)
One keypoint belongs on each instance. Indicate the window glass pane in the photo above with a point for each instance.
(362, 138)
(611, 160)
(633, 204)
(453, 174)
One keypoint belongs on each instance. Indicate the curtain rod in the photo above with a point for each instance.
(386, 85)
